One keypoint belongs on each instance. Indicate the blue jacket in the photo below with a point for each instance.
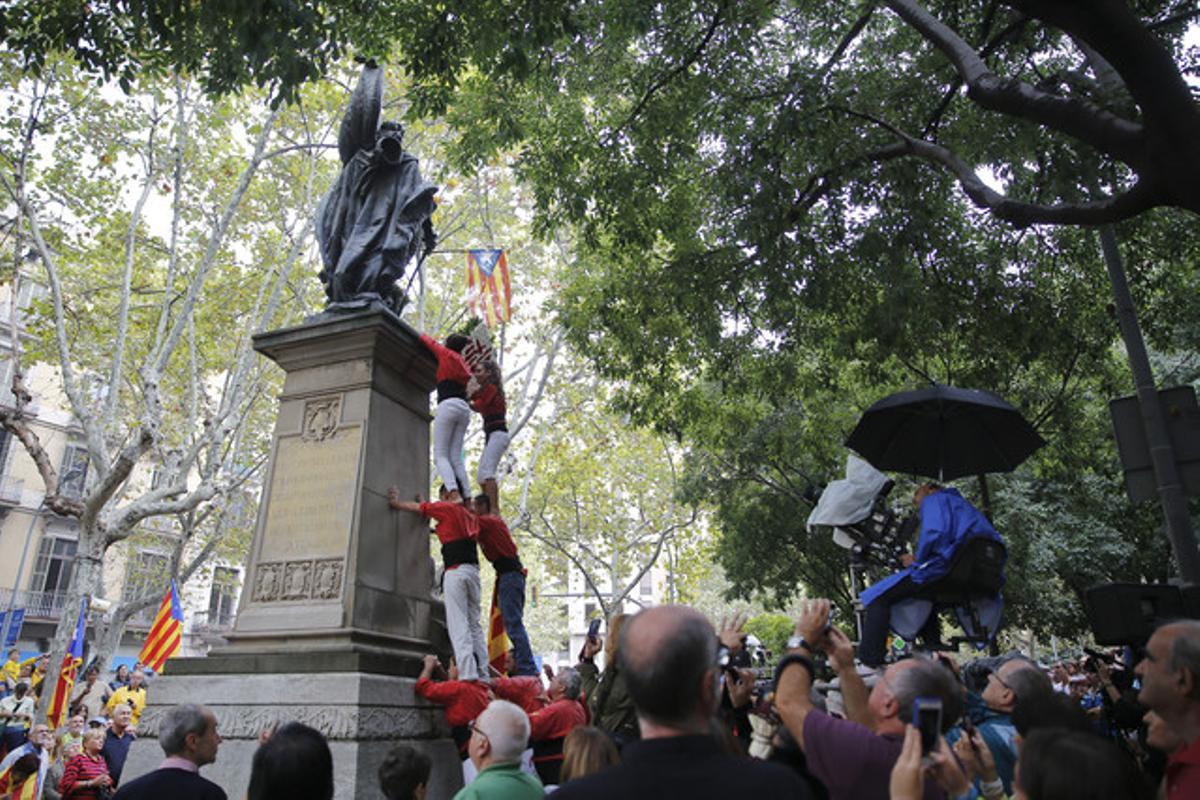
(998, 733)
(947, 521)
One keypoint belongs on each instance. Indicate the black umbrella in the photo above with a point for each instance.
(944, 433)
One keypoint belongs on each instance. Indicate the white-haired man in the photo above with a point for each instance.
(498, 737)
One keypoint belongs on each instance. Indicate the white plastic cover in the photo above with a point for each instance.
(848, 501)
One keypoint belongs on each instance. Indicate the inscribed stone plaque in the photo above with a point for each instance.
(311, 506)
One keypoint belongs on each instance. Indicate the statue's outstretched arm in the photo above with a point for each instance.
(362, 114)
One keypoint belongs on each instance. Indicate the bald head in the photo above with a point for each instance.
(667, 655)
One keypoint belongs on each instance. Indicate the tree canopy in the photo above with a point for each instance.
(784, 210)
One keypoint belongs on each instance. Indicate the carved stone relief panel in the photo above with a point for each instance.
(267, 582)
(327, 582)
(299, 580)
(321, 418)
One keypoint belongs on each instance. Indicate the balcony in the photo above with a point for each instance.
(11, 490)
(42, 606)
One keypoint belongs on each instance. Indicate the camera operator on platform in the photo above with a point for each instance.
(947, 522)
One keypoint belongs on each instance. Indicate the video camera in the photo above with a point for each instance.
(856, 509)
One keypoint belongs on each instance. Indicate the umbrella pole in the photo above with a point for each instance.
(985, 497)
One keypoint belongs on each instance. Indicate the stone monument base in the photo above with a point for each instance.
(363, 714)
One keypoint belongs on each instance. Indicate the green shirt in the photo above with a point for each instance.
(503, 782)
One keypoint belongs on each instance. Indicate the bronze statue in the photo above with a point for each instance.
(375, 219)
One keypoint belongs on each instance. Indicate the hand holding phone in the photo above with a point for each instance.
(927, 717)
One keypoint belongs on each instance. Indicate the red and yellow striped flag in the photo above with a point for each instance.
(166, 634)
(31, 789)
(498, 643)
(488, 289)
(66, 672)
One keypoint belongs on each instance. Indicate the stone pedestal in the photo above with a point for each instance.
(336, 610)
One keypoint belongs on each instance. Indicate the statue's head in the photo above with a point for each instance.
(390, 141)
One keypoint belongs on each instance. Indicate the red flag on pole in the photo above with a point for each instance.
(498, 643)
(66, 672)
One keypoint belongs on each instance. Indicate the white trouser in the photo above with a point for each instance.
(460, 593)
(493, 451)
(449, 431)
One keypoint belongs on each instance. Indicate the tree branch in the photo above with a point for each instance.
(1141, 196)
(1146, 66)
(1118, 137)
(675, 72)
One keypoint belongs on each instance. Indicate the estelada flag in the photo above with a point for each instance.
(66, 673)
(498, 643)
(166, 633)
(31, 789)
(488, 290)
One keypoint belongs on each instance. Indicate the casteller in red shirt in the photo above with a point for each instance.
(454, 521)
(496, 542)
(463, 701)
(452, 370)
(524, 690)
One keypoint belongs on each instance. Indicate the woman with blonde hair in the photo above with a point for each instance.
(587, 750)
(86, 775)
(608, 698)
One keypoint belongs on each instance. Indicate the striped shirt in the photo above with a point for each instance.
(81, 769)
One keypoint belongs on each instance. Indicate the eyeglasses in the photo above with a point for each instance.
(476, 729)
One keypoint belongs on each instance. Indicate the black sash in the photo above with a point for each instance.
(459, 551)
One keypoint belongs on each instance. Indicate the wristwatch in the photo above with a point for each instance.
(796, 641)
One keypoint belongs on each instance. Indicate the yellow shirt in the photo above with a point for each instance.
(136, 698)
(10, 670)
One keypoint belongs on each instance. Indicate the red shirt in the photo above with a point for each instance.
(524, 690)
(1183, 773)
(451, 365)
(494, 538)
(454, 521)
(463, 700)
(557, 720)
(80, 769)
(488, 401)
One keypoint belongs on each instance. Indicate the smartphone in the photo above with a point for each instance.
(594, 628)
(927, 716)
(969, 729)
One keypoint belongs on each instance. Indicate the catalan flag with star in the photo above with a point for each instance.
(488, 289)
(66, 673)
(166, 633)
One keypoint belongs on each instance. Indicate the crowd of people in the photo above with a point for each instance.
(665, 704)
(703, 725)
(100, 725)
(677, 712)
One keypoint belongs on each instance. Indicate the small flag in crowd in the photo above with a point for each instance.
(166, 634)
(66, 673)
(498, 642)
(488, 290)
(31, 789)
